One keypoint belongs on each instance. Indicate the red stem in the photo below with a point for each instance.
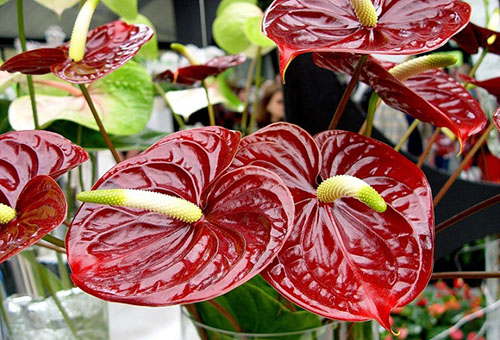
(423, 156)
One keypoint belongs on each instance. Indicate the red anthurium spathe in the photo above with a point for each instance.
(491, 85)
(343, 260)
(402, 26)
(136, 256)
(191, 74)
(29, 163)
(431, 96)
(108, 47)
(473, 36)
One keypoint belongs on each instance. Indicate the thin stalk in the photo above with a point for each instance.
(51, 247)
(411, 128)
(468, 212)
(3, 312)
(210, 107)
(347, 93)
(465, 275)
(93, 161)
(370, 114)
(29, 78)
(258, 83)
(63, 272)
(462, 165)
(79, 136)
(248, 88)
(98, 121)
(58, 303)
(226, 315)
(433, 138)
(163, 94)
(54, 240)
(36, 280)
(69, 196)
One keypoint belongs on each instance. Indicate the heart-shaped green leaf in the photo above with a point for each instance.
(123, 8)
(253, 32)
(58, 6)
(123, 99)
(224, 3)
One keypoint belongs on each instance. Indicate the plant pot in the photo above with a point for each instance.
(194, 330)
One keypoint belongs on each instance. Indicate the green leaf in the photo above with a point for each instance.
(228, 28)
(123, 8)
(58, 6)
(231, 100)
(253, 32)
(256, 308)
(4, 117)
(2, 2)
(224, 3)
(150, 49)
(123, 99)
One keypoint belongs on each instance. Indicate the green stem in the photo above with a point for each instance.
(80, 169)
(54, 240)
(46, 283)
(473, 70)
(63, 272)
(36, 280)
(370, 114)
(98, 121)
(248, 88)
(163, 94)
(69, 196)
(407, 134)
(29, 78)
(486, 12)
(3, 312)
(93, 161)
(347, 93)
(211, 114)
(258, 83)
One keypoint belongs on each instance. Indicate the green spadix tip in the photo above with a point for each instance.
(418, 65)
(174, 207)
(7, 214)
(181, 49)
(365, 12)
(349, 186)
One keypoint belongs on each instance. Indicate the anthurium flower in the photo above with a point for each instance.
(431, 96)
(220, 229)
(491, 85)
(29, 197)
(473, 36)
(343, 259)
(108, 47)
(399, 26)
(191, 74)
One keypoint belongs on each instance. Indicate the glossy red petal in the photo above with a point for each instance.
(134, 256)
(191, 74)
(404, 26)
(432, 96)
(38, 61)
(496, 118)
(491, 85)
(25, 154)
(108, 47)
(473, 36)
(343, 260)
(41, 208)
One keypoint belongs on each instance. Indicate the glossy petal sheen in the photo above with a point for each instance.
(343, 260)
(41, 208)
(37, 61)
(472, 37)
(139, 257)
(432, 96)
(191, 74)
(404, 26)
(25, 154)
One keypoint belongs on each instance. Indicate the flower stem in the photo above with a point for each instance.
(462, 165)
(210, 107)
(468, 212)
(411, 128)
(433, 138)
(248, 88)
(258, 83)
(63, 272)
(177, 117)
(370, 114)
(98, 121)
(29, 78)
(347, 93)
(54, 240)
(51, 247)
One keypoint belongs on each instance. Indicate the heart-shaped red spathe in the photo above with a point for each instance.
(473, 36)
(108, 47)
(26, 154)
(41, 207)
(191, 74)
(403, 27)
(139, 257)
(431, 96)
(344, 260)
(491, 85)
